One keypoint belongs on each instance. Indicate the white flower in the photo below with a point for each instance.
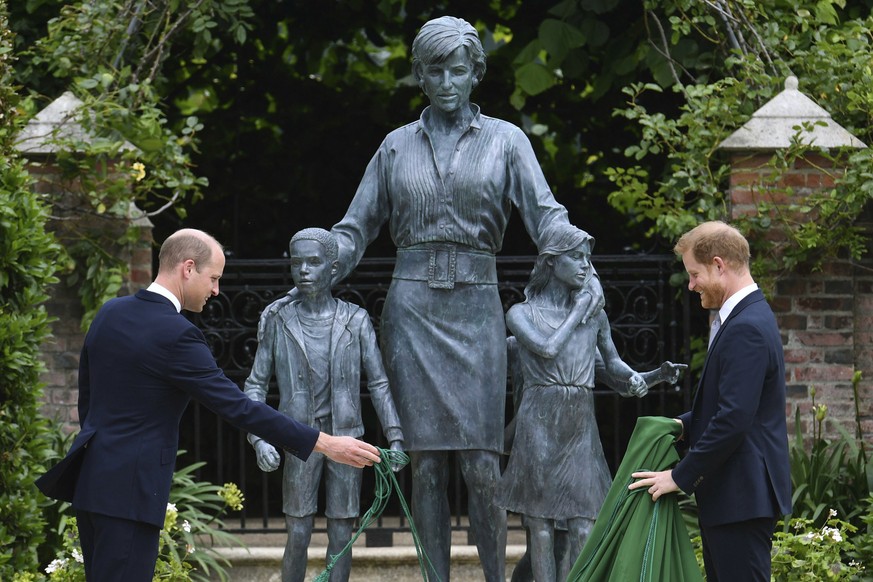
(77, 555)
(833, 533)
(171, 507)
(190, 549)
(186, 527)
(832, 513)
(55, 565)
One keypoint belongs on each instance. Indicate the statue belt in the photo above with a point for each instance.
(444, 264)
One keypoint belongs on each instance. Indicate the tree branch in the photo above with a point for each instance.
(169, 203)
(132, 28)
(665, 52)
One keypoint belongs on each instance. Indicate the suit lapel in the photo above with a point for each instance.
(749, 299)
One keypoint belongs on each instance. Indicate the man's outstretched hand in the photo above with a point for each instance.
(347, 450)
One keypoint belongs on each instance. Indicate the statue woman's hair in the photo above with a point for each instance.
(439, 37)
(556, 241)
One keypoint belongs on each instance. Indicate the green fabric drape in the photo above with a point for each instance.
(633, 538)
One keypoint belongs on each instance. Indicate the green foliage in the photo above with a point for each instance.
(28, 256)
(863, 552)
(59, 441)
(807, 552)
(68, 566)
(759, 45)
(130, 162)
(829, 536)
(828, 475)
(193, 517)
(304, 102)
(269, 107)
(200, 506)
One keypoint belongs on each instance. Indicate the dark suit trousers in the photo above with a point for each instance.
(738, 551)
(117, 550)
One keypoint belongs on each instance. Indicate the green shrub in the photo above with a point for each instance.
(193, 519)
(828, 474)
(28, 255)
(863, 551)
(828, 536)
(807, 552)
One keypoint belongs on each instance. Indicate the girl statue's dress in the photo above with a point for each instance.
(557, 469)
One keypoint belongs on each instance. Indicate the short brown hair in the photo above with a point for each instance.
(715, 239)
(187, 244)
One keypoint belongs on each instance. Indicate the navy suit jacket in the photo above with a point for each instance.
(141, 364)
(737, 462)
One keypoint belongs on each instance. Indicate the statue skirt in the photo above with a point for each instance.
(445, 356)
(556, 469)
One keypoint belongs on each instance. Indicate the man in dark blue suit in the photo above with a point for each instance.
(737, 460)
(141, 364)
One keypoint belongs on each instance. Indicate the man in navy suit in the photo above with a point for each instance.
(737, 460)
(141, 364)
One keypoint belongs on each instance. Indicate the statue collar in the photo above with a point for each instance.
(425, 125)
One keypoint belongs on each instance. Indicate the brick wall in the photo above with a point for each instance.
(825, 316)
(752, 181)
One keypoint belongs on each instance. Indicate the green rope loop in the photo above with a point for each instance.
(386, 482)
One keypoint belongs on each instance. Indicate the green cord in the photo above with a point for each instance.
(385, 483)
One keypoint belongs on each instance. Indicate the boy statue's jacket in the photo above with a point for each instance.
(282, 352)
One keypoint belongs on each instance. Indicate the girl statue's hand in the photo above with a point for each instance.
(638, 386)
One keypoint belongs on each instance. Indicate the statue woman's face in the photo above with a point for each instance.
(448, 84)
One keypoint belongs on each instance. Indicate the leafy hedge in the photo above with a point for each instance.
(28, 259)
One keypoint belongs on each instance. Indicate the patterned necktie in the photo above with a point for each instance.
(716, 323)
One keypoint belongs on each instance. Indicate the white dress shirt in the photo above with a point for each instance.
(734, 299)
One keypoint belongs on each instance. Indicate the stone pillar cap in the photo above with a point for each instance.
(59, 120)
(774, 125)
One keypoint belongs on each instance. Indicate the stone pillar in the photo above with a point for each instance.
(825, 316)
(61, 353)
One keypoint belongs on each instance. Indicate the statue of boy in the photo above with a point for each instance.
(315, 346)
